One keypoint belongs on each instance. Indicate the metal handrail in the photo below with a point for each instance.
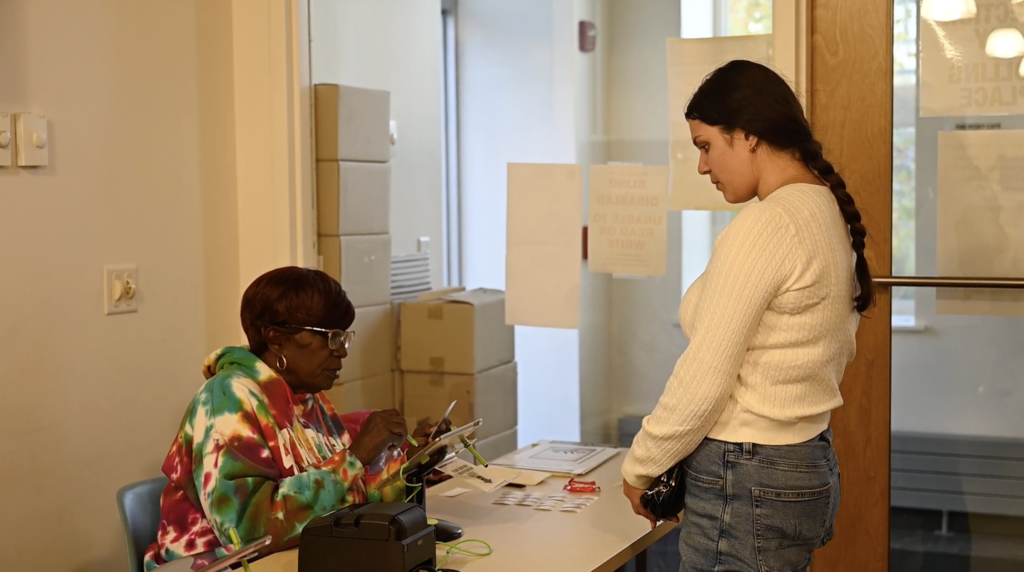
(948, 282)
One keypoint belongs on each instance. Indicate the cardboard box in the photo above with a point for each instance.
(398, 382)
(370, 354)
(462, 332)
(362, 264)
(493, 447)
(396, 319)
(373, 393)
(352, 123)
(490, 395)
(353, 198)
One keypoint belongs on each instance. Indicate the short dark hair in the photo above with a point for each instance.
(752, 97)
(293, 296)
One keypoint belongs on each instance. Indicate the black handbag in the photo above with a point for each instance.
(664, 498)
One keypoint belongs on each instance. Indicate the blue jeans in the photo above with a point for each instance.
(758, 508)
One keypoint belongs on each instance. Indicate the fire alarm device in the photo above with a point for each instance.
(588, 36)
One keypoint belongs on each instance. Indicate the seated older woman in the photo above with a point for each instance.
(261, 449)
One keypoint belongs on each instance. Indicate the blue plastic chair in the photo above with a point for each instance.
(139, 505)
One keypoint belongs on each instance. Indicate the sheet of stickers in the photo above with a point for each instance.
(561, 502)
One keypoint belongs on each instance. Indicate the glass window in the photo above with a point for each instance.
(904, 195)
(702, 19)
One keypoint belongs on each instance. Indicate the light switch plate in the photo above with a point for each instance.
(33, 145)
(6, 140)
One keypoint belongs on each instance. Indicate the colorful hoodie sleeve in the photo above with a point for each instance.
(241, 486)
(353, 422)
(394, 492)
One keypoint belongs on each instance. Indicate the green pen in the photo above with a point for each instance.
(472, 450)
(411, 441)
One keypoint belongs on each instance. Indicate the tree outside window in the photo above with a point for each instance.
(750, 17)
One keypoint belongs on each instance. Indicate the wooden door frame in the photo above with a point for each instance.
(851, 114)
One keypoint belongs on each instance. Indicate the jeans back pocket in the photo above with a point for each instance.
(789, 526)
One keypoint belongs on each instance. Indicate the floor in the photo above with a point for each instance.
(971, 543)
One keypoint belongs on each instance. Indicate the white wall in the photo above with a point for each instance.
(140, 102)
(645, 342)
(517, 90)
(394, 45)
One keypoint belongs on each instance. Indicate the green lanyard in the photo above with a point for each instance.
(238, 546)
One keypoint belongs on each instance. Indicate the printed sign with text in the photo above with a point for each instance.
(957, 76)
(627, 228)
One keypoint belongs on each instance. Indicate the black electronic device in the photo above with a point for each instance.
(370, 537)
(444, 530)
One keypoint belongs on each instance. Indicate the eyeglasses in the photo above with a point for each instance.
(335, 338)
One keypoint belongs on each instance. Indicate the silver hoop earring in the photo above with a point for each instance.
(282, 363)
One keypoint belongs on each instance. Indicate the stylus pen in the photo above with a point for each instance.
(472, 450)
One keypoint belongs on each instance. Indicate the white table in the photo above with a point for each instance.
(601, 538)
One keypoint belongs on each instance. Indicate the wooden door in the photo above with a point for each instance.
(851, 114)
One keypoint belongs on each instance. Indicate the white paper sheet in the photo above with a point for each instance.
(557, 457)
(957, 77)
(689, 62)
(543, 251)
(530, 478)
(486, 479)
(627, 230)
(980, 200)
(456, 492)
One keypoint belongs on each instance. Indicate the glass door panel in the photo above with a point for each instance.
(957, 464)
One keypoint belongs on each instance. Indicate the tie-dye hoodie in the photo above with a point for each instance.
(255, 457)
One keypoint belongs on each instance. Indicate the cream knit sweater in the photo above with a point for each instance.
(771, 326)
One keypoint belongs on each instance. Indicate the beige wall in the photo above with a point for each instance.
(140, 102)
(394, 45)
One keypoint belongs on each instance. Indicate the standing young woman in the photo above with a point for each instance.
(771, 324)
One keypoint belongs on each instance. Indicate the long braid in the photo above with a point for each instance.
(812, 156)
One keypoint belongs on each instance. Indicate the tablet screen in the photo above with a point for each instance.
(448, 439)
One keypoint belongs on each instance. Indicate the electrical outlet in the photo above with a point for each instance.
(32, 141)
(120, 289)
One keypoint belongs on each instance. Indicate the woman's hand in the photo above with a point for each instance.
(425, 428)
(422, 432)
(383, 430)
(633, 494)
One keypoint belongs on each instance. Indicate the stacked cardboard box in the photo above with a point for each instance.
(456, 346)
(353, 217)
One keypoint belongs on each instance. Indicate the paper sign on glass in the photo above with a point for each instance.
(980, 200)
(543, 246)
(689, 62)
(958, 74)
(627, 232)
